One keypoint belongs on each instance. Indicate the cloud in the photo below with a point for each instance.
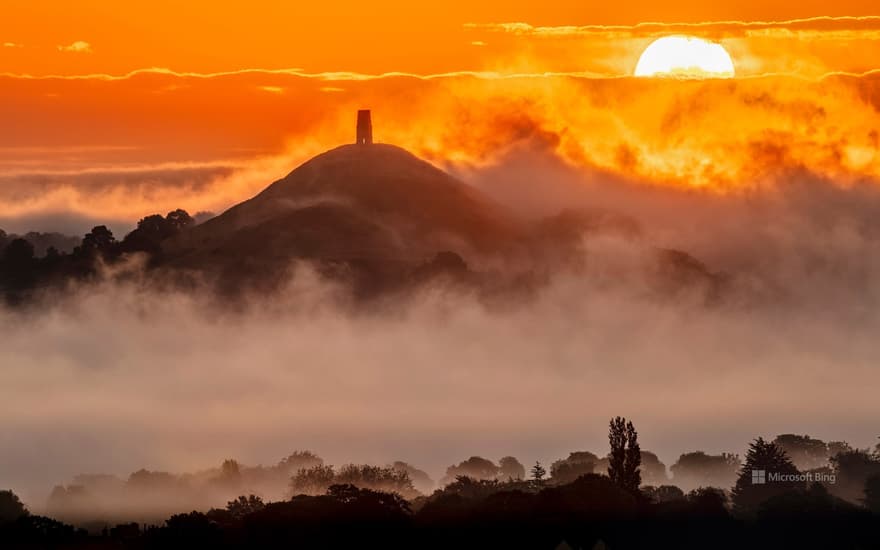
(867, 27)
(334, 76)
(72, 200)
(713, 136)
(77, 47)
(12, 45)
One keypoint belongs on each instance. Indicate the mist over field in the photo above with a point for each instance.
(125, 374)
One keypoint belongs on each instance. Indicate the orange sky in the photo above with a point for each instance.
(376, 36)
(88, 125)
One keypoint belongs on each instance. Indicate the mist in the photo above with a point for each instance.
(118, 376)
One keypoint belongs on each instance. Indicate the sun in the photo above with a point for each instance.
(685, 57)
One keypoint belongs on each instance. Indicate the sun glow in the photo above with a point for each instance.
(685, 57)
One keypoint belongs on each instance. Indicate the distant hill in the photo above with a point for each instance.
(42, 241)
(357, 204)
(382, 219)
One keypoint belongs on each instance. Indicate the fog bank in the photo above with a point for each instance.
(115, 378)
(118, 376)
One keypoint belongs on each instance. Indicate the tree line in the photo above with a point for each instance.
(23, 271)
(792, 492)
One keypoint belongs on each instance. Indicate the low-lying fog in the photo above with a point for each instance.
(112, 378)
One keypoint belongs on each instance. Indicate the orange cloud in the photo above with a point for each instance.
(836, 26)
(272, 89)
(76, 47)
(809, 47)
(721, 136)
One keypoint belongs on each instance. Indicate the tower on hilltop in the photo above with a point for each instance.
(364, 128)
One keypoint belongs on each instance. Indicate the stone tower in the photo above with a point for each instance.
(364, 128)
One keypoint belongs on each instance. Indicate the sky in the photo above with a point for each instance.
(367, 37)
(112, 113)
(347, 35)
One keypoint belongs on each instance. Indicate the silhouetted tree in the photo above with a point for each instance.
(68, 503)
(653, 471)
(42, 242)
(280, 475)
(698, 469)
(145, 484)
(475, 467)
(663, 493)
(192, 530)
(376, 478)
(872, 493)
(230, 468)
(179, 219)
(837, 447)
(152, 230)
(590, 498)
(510, 468)
(344, 517)
(625, 456)
(758, 479)
(230, 477)
(312, 481)
(125, 531)
(299, 460)
(19, 253)
(471, 488)
(11, 507)
(569, 469)
(852, 470)
(17, 265)
(348, 494)
(420, 479)
(708, 502)
(52, 255)
(804, 451)
(538, 472)
(812, 505)
(244, 505)
(30, 531)
(317, 479)
(97, 242)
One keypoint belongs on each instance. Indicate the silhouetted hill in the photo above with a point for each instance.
(378, 219)
(375, 203)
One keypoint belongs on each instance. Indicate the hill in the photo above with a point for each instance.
(360, 204)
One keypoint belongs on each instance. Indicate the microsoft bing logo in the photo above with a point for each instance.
(759, 477)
